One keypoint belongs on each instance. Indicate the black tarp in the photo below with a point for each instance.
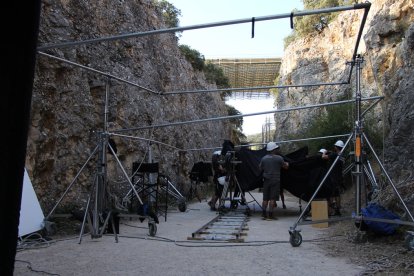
(301, 179)
(304, 176)
(248, 172)
(201, 171)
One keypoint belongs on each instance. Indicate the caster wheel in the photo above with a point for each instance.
(295, 239)
(152, 229)
(182, 206)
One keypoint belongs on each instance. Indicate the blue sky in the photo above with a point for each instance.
(235, 41)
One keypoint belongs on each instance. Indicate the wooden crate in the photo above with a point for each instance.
(319, 211)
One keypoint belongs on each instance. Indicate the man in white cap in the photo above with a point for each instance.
(271, 164)
(335, 177)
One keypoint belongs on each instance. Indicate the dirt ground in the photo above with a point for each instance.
(379, 255)
(339, 249)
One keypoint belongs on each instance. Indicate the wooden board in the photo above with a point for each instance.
(319, 212)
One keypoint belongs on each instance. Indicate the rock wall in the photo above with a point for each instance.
(387, 48)
(68, 106)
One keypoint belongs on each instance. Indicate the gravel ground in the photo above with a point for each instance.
(379, 255)
(337, 250)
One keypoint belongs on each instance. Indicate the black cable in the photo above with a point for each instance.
(141, 227)
(29, 266)
(213, 243)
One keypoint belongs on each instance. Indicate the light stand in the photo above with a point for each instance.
(96, 213)
(359, 138)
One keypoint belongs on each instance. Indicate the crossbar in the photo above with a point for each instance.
(243, 115)
(203, 26)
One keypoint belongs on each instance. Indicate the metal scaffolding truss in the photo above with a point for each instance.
(253, 87)
(70, 44)
(249, 73)
(253, 63)
(357, 136)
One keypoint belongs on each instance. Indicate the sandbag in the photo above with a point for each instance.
(374, 210)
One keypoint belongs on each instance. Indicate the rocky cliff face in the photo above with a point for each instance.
(68, 106)
(387, 48)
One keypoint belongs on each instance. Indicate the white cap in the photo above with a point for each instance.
(339, 143)
(271, 146)
(322, 150)
(217, 152)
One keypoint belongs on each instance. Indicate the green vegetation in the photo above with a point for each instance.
(310, 24)
(337, 120)
(237, 123)
(255, 138)
(213, 73)
(169, 13)
(275, 91)
(193, 56)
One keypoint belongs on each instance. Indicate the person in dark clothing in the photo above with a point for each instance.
(219, 171)
(271, 165)
(335, 177)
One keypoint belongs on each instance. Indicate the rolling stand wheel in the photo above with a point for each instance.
(182, 206)
(295, 238)
(152, 228)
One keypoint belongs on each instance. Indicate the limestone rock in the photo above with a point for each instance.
(68, 105)
(387, 47)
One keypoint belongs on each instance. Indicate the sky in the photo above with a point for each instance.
(236, 41)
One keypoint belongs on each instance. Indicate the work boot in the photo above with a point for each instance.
(270, 216)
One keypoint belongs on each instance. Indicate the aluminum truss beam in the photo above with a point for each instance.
(365, 6)
(243, 115)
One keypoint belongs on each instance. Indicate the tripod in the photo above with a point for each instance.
(232, 190)
(360, 140)
(97, 211)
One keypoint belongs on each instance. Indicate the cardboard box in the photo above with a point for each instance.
(319, 212)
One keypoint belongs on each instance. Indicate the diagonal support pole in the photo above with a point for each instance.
(125, 174)
(72, 183)
(388, 177)
(320, 185)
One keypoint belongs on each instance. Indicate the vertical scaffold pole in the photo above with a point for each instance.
(358, 136)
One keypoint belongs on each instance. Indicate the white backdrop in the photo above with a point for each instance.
(31, 214)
